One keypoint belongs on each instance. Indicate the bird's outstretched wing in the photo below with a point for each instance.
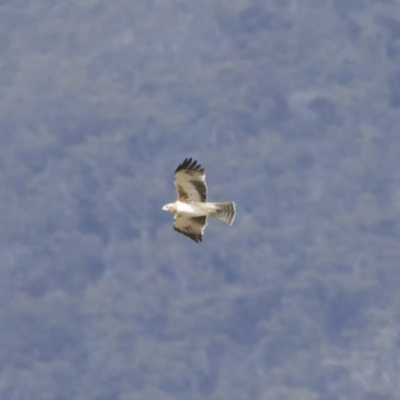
(190, 181)
(192, 227)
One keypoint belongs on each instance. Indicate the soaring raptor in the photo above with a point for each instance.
(191, 209)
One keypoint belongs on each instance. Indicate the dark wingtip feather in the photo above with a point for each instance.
(189, 164)
(196, 238)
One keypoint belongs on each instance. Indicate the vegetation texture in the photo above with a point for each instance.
(292, 107)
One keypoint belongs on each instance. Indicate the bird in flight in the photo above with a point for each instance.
(192, 209)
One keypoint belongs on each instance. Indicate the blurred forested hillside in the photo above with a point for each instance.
(292, 107)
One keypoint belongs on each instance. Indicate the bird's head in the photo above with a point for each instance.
(169, 207)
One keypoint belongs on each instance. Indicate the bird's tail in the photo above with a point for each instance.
(224, 211)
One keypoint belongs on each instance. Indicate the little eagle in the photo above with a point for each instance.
(191, 209)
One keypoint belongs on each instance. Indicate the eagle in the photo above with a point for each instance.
(191, 208)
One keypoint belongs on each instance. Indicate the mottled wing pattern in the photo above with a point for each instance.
(192, 227)
(190, 181)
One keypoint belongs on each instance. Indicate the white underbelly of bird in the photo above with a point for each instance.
(194, 208)
(224, 211)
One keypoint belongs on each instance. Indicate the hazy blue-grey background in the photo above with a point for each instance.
(293, 108)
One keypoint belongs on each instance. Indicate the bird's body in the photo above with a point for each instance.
(194, 208)
(191, 209)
